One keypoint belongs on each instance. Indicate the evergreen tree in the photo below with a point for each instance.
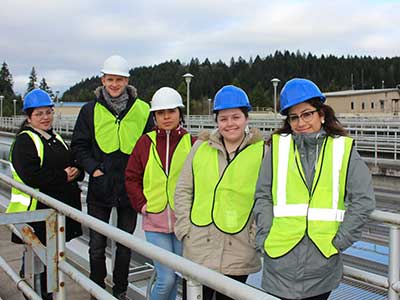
(32, 84)
(45, 87)
(6, 81)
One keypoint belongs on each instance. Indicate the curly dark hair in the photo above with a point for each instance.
(332, 125)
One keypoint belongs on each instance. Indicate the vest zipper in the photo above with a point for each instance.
(167, 173)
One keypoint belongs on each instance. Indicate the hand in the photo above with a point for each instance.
(72, 173)
(98, 173)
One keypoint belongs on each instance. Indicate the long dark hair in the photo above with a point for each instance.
(28, 114)
(332, 125)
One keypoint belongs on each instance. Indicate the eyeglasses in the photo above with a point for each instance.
(306, 116)
(42, 114)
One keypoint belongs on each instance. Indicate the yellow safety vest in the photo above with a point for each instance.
(298, 209)
(20, 201)
(226, 201)
(159, 187)
(114, 134)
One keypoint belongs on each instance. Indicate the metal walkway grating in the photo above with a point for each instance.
(351, 290)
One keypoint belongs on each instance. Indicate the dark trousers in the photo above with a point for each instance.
(208, 293)
(126, 220)
(319, 297)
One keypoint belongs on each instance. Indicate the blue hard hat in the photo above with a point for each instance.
(231, 96)
(36, 98)
(298, 90)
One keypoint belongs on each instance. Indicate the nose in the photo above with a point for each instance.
(300, 122)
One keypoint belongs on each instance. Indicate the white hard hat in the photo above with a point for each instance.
(116, 65)
(166, 98)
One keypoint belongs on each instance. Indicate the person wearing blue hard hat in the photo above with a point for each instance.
(314, 194)
(214, 195)
(41, 159)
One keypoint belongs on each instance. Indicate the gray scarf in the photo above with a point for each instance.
(118, 104)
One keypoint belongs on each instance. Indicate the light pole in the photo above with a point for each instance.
(1, 105)
(188, 78)
(15, 107)
(209, 106)
(275, 82)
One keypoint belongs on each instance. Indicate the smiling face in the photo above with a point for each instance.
(167, 119)
(305, 118)
(114, 84)
(231, 124)
(42, 118)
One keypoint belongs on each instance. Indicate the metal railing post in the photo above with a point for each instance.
(61, 295)
(376, 148)
(194, 290)
(51, 253)
(394, 261)
(113, 222)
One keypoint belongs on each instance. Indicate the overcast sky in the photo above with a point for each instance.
(68, 40)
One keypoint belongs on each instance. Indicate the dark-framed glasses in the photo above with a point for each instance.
(42, 114)
(306, 116)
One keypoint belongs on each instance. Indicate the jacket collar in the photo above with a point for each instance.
(214, 138)
(175, 132)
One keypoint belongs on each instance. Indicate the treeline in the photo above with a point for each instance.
(330, 72)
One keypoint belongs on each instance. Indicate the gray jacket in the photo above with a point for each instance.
(304, 272)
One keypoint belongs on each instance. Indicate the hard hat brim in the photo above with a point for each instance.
(161, 107)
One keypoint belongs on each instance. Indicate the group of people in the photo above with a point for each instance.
(226, 199)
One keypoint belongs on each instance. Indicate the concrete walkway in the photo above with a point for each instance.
(12, 254)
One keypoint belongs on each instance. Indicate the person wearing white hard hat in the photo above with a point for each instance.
(151, 176)
(105, 133)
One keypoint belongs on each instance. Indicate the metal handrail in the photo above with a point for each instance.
(195, 273)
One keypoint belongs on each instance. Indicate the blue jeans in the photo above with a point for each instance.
(166, 284)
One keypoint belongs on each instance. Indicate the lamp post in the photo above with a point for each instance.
(15, 107)
(209, 106)
(275, 82)
(1, 105)
(57, 92)
(188, 78)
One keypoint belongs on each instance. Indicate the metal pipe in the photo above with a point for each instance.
(394, 261)
(385, 217)
(189, 269)
(194, 290)
(365, 276)
(21, 284)
(86, 283)
(61, 293)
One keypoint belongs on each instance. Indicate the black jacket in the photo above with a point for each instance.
(107, 190)
(50, 178)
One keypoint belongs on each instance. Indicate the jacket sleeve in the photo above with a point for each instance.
(134, 173)
(27, 165)
(263, 207)
(83, 141)
(359, 202)
(184, 195)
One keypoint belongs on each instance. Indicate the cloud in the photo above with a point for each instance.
(67, 41)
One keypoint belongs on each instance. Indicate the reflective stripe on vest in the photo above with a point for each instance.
(114, 134)
(227, 200)
(20, 201)
(296, 208)
(158, 187)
